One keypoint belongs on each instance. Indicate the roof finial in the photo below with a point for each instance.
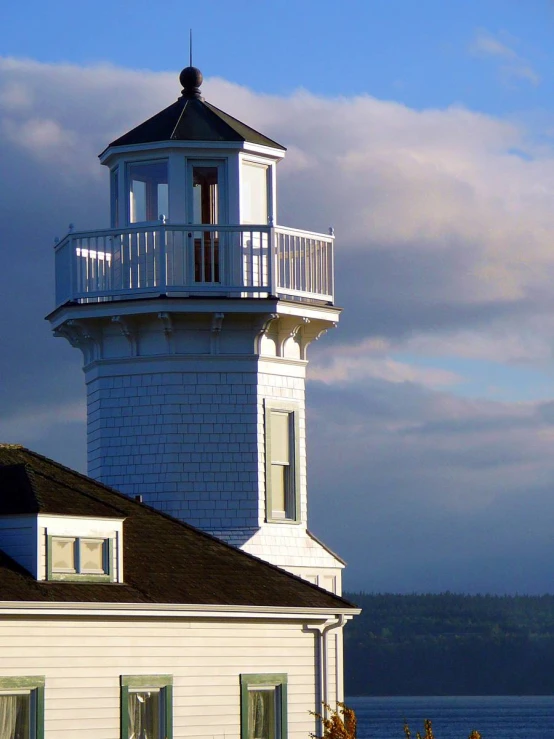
(191, 77)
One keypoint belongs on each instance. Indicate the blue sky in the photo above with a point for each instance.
(421, 53)
(424, 132)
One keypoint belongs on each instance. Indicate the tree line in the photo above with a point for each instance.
(450, 644)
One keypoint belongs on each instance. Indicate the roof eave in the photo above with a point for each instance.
(175, 610)
(111, 152)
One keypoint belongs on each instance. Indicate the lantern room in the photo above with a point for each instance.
(193, 211)
(193, 164)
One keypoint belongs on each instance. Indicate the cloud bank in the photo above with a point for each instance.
(444, 229)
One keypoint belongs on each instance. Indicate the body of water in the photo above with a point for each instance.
(495, 717)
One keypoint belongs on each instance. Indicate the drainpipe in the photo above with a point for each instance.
(322, 699)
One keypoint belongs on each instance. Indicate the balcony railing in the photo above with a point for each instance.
(183, 261)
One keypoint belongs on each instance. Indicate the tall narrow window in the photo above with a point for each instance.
(115, 198)
(281, 463)
(146, 707)
(148, 191)
(263, 706)
(205, 195)
(205, 211)
(21, 707)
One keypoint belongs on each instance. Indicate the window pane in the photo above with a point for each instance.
(280, 437)
(254, 193)
(15, 715)
(148, 191)
(205, 195)
(92, 555)
(261, 714)
(278, 490)
(63, 555)
(145, 715)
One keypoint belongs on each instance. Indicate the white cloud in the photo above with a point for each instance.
(28, 426)
(351, 364)
(444, 246)
(513, 67)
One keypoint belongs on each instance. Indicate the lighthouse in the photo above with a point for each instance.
(194, 311)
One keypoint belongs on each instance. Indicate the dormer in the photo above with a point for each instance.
(58, 533)
(192, 164)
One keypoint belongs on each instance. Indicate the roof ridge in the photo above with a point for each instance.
(181, 114)
(220, 112)
(84, 493)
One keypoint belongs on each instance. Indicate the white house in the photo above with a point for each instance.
(193, 312)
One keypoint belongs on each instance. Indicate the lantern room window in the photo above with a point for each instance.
(254, 193)
(115, 198)
(148, 191)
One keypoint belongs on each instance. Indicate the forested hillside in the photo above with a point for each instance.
(450, 644)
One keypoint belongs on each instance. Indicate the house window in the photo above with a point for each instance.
(21, 707)
(263, 706)
(148, 191)
(146, 707)
(282, 488)
(80, 558)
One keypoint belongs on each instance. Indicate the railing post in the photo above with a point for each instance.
(72, 267)
(163, 257)
(332, 262)
(272, 262)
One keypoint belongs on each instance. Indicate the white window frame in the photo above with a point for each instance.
(277, 684)
(161, 684)
(33, 686)
(77, 574)
(293, 514)
(128, 165)
(222, 194)
(266, 166)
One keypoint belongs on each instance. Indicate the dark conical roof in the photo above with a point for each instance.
(191, 118)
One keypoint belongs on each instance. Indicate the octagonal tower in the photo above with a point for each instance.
(193, 312)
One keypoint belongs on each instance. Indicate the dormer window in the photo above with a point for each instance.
(80, 558)
(148, 191)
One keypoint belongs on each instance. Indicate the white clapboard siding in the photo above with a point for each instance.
(82, 661)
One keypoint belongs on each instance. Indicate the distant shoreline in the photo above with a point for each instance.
(450, 645)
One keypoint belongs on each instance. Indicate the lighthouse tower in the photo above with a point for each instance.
(194, 312)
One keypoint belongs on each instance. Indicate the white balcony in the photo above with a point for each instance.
(188, 261)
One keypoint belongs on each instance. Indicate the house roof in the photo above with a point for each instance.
(191, 118)
(25, 489)
(165, 560)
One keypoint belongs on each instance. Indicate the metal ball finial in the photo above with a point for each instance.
(191, 79)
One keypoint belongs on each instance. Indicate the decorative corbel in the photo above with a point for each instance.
(168, 329)
(261, 328)
(127, 331)
(288, 328)
(84, 336)
(217, 323)
(312, 331)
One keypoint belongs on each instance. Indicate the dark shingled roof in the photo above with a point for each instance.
(193, 119)
(165, 560)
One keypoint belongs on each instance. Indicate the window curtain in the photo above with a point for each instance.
(8, 716)
(260, 714)
(144, 716)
